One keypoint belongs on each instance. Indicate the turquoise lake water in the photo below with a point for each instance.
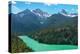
(36, 46)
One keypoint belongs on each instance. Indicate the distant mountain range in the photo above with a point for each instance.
(30, 20)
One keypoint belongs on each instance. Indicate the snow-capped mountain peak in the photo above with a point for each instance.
(63, 12)
(41, 13)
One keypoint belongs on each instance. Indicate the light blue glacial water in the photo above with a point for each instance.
(36, 46)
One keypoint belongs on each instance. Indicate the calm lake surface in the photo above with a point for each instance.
(36, 46)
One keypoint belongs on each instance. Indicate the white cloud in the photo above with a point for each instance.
(27, 2)
(49, 2)
(13, 2)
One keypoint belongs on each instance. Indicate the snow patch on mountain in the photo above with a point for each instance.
(42, 22)
(22, 14)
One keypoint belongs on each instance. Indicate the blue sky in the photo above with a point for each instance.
(51, 9)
